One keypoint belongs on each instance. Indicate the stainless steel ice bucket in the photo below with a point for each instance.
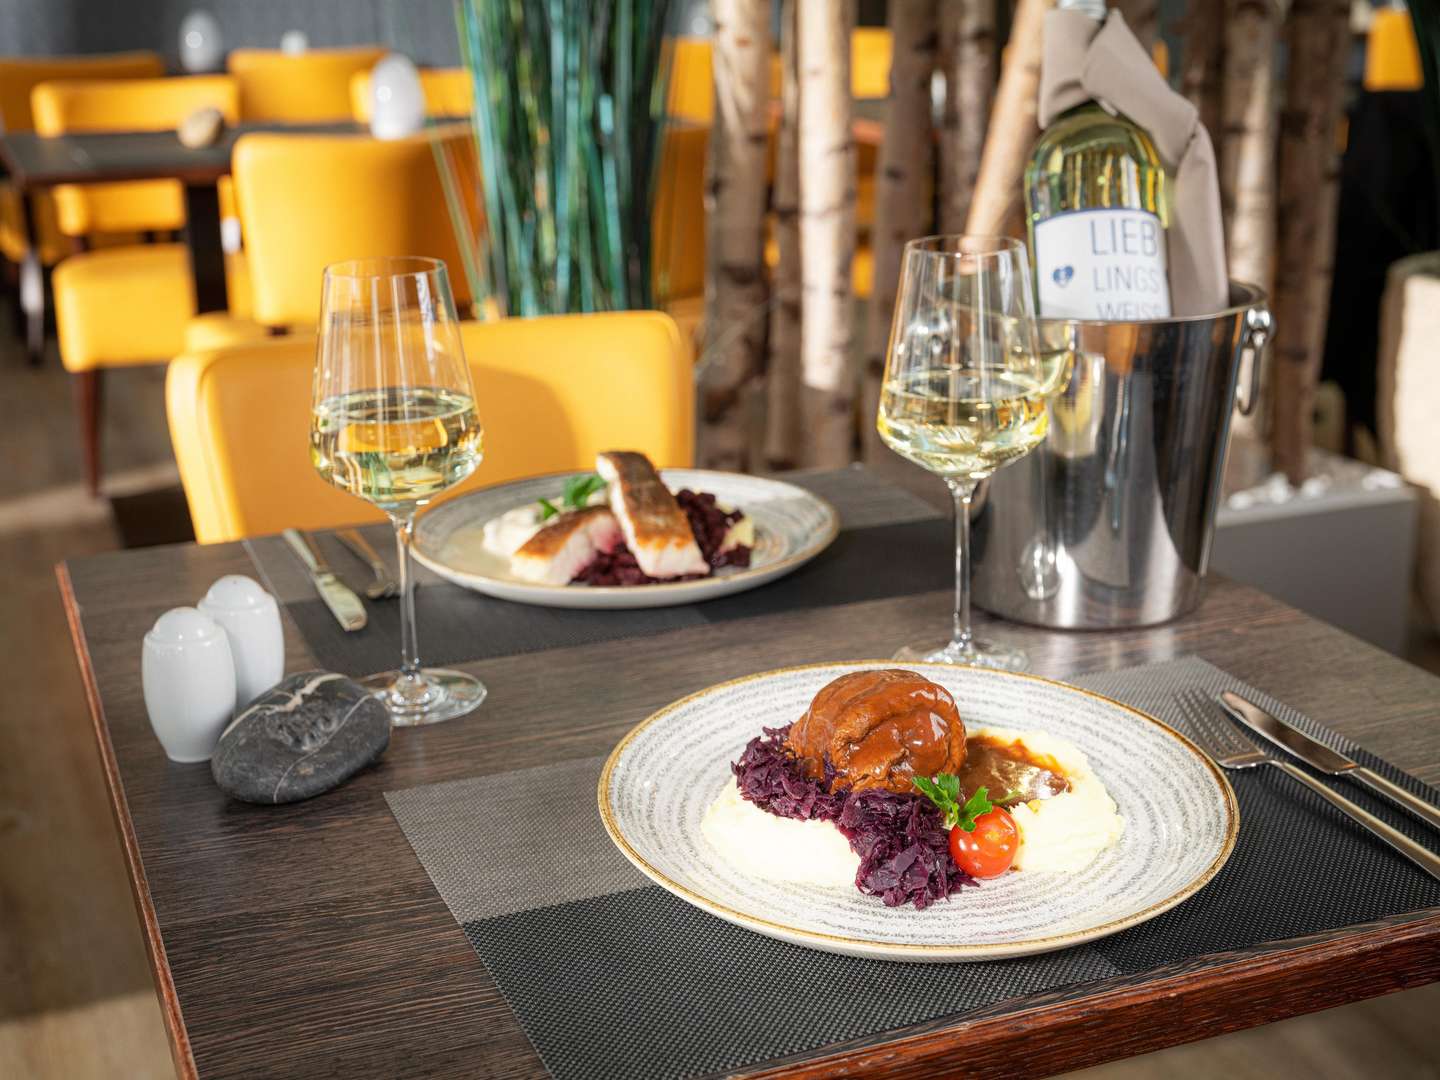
(1109, 523)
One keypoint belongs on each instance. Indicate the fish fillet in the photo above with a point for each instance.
(655, 528)
(561, 549)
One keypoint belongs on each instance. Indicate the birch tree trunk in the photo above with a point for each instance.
(967, 46)
(1143, 18)
(735, 195)
(782, 383)
(1317, 37)
(1247, 158)
(902, 195)
(998, 203)
(1202, 61)
(827, 231)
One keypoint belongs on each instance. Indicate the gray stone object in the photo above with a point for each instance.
(307, 734)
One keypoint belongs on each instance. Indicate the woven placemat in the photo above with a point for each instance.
(612, 976)
(891, 544)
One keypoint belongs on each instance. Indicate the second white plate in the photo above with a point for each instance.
(792, 526)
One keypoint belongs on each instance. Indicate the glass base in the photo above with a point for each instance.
(438, 694)
(986, 654)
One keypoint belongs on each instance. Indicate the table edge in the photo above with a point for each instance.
(1399, 952)
(169, 999)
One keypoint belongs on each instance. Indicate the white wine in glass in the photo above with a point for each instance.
(394, 423)
(964, 392)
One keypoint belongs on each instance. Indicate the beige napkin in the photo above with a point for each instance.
(1085, 61)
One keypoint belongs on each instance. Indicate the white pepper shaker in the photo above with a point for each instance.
(189, 683)
(251, 620)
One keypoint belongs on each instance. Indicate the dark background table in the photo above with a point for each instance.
(308, 940)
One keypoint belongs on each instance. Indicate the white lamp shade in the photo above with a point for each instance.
(397, 101)
(201, 49)
(294, 42)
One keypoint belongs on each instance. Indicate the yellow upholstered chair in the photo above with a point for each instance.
(310, 200)
(18, 77)
(448, 92)
(1392, 56)
(308, 87)
(551, 392)
(870, 52)
(80, 106)
(128, 305)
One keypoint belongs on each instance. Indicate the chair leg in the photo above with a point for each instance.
(87, 404)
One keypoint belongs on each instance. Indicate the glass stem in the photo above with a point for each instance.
(962, 491)
(409, 645)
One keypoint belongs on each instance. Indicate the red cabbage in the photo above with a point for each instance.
(901, 839)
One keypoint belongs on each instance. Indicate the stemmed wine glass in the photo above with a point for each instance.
(393, 422)
(964, 392)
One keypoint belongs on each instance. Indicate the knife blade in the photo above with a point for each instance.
(1317, 755)
(349, 612)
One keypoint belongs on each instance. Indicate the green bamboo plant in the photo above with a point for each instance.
(569, 120)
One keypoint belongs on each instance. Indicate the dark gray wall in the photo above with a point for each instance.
(423, 29)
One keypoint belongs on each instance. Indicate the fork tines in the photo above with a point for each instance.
(1215, 732)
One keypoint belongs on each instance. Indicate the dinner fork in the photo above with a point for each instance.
(384, 586)
(1229, 748)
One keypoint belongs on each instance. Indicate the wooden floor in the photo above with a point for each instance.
(75, 994)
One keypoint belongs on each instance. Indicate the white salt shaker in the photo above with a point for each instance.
(189, 683)
(251, 620)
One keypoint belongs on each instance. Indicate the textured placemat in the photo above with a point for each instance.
(611, 976)
(891, 544)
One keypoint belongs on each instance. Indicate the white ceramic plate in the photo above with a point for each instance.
(792, 526)
(1180, 814)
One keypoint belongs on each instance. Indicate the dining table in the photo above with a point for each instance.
(308, 939)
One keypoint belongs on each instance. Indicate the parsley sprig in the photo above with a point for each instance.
(576, 495)
(944, 792)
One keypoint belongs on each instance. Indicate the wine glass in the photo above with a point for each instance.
(964, 392)
(393, 422)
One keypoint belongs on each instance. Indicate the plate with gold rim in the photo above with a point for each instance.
(792, 526)
(1181, 821)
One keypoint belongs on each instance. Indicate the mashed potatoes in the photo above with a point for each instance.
(776, 848)
(1066, 832)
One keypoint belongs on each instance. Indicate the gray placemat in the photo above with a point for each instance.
(611, 976)
(891, 544)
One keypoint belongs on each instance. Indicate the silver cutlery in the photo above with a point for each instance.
(1319, 756)
(384, 586)
(1230, 749)
(349, 612)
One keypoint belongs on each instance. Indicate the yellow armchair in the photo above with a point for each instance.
(551, 392)
(309, 87)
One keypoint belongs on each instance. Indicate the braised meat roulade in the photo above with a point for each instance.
(878, 729)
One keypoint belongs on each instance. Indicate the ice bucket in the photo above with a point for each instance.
(1109, 522)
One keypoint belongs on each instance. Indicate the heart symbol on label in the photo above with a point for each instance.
(1063, 275)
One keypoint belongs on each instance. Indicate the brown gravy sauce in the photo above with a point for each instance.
(1005, 767)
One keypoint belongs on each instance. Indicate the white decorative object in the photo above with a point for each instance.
(251, 620)
(188, 678)
(397, 101)
(201, 48)
(294, 42)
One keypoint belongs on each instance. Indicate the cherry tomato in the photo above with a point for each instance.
(990, 849)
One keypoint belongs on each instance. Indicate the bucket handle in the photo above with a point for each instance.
(1258, 329)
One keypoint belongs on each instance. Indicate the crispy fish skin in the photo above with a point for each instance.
(561, 549)
(655, 528)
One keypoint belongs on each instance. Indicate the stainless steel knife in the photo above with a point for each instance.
(349, 612)
(1316, 754)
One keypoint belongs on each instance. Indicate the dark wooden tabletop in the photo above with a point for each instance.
(307, 940)
(38, 161)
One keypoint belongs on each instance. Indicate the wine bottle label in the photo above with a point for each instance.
(1102, 264)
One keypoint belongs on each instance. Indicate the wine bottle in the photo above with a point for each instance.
(1096, 211)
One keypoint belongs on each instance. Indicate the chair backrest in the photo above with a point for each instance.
(678, 221)
(870, 49)
(448, 92)
(307, 201)
(1392, 55)
(552, 393)
(86, 105)
(19, 75)
(308, 87)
